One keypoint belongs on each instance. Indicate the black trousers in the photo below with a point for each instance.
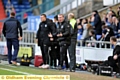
(58, 54)
(53, 55)
(114, 63)
(63, 55)
(72, 54)
(44, 49)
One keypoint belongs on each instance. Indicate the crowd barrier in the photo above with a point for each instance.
(92, 54)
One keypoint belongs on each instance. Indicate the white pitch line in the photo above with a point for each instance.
(16, 71)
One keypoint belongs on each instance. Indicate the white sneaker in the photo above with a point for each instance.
(46, 66)
(42, 66)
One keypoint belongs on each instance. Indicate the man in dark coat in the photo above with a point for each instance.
(97, 23)
(45, 28)
(63, 37)
(10, 31)
(114, 61)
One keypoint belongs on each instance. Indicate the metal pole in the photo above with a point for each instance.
(113, 2)
(117, 1)
(77, 9)
(66, 9)
(70, 5)
(22, 18)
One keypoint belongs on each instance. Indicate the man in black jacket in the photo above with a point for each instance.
(72, 47)
(53, 49)
(45, 28)
(114, 61)
(63, 37)
(97, 23)
(10, 31)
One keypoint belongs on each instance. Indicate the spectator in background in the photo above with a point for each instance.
(119, 28)
(110, 9)
(25, 15)
(107, 32)
(80, 30)
(79, 21)
(85, 29)
(79, 26)
(118, 12)
(109, 18)
(97, 23)
(86, 33)
(104, 18)
(92, 37)
(9, 7)
(115, 25)
(91, 20)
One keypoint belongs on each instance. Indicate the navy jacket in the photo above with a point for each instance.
(98, 24)
(11, 27)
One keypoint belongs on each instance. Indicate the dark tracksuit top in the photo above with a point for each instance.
(10, 28)
(63, 28)
(45, 28)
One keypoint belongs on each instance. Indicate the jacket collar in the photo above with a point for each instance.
(61, 22)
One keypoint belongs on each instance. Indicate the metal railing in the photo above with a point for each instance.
(95, 44)
(28, 37)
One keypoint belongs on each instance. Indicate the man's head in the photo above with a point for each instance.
(113, 40)
(61, 18)
(55, 18)
(43, 17)
(110, 8)
(71, 16)
(94, 12)
(12, 14)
